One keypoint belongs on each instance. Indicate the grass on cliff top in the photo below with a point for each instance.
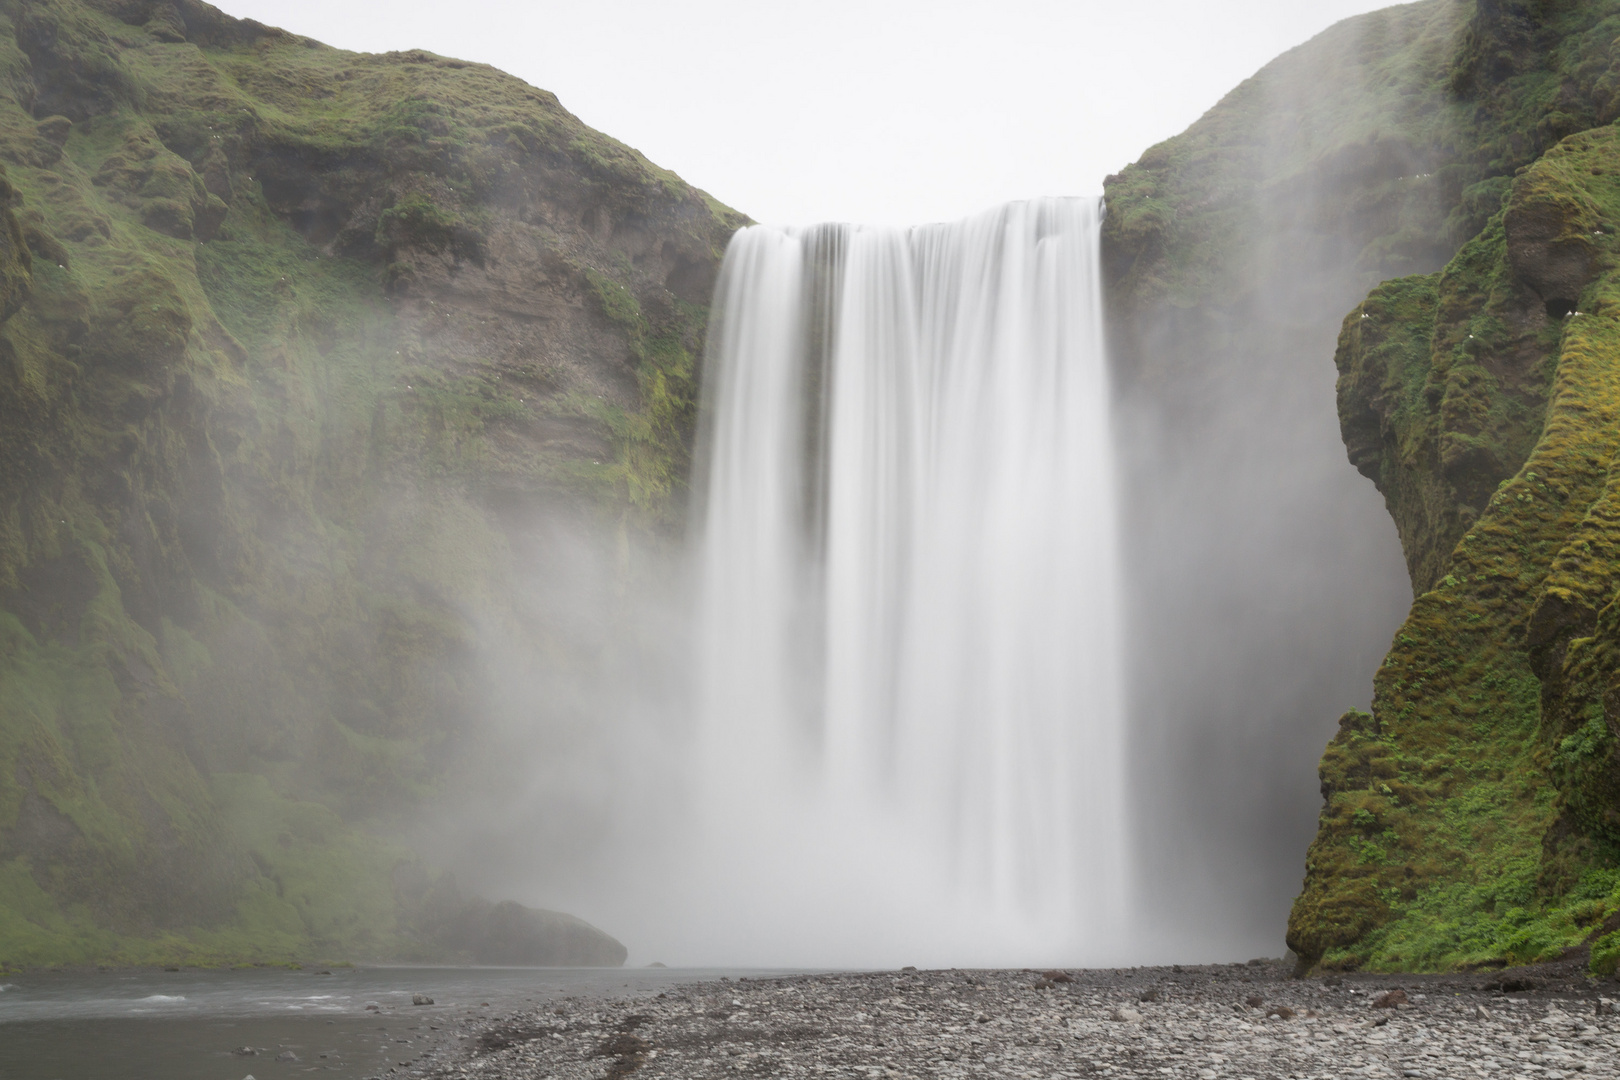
(425, 112)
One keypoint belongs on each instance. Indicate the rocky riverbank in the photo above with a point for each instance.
(1247, 1020)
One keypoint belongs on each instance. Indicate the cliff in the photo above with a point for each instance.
(1453, 158)
(301, 350)
(1471, 817)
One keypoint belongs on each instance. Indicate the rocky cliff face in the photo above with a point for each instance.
(1457, 153)
(1470, 817)
(301, 349)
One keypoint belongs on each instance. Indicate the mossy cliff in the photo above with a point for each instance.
(1471, 817)
(1450, 161)
(298, 346)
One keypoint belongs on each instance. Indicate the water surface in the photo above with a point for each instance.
(192, 1025)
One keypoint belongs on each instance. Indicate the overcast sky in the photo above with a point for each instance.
(894, 111)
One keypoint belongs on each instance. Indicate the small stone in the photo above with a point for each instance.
(1126, 1016)
(1605, 1007)
(286, 1055)
(1482, 1013)
(245, 1051)
(421, 999)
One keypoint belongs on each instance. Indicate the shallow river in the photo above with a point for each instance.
(196, 1025)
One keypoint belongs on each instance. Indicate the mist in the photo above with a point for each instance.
(1266, 577)
(1260, 583)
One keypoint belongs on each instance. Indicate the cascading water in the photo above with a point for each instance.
(910, 697)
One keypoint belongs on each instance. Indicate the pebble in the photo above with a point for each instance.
(1139, 1022)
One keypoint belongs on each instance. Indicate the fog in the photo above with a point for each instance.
(1266, 577)
(1262, 577)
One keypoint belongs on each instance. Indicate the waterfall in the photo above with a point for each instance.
(910, 699)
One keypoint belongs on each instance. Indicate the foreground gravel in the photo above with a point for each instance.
(1205, 1022)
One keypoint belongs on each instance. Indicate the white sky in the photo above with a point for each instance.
(891, 111)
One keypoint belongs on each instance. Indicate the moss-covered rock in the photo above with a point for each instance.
(294, 344)
(1485, 401)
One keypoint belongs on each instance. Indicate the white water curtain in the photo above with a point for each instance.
(910, 681)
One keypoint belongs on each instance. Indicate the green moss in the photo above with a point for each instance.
(1488, 757)
(250, 503)
(1442, 388)
(418, 221)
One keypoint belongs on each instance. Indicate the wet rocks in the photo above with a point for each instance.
(1103, 1023)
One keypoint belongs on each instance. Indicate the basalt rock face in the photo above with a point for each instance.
(300, 349)
(1439, 170)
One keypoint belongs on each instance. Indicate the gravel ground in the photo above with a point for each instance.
(1224, 1021)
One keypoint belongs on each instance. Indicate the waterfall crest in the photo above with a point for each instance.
(910, 701)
